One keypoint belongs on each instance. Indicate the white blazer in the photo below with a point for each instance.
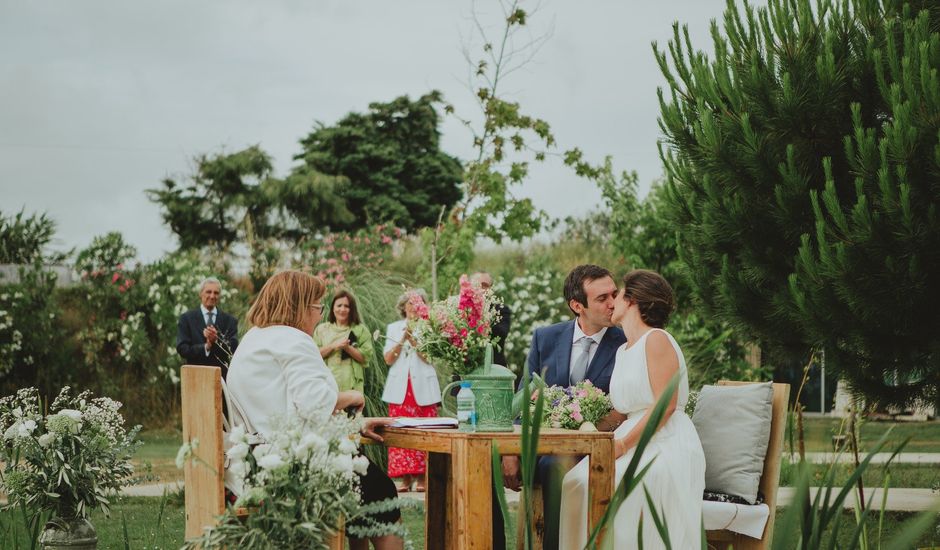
(424, 382)
(278, 371)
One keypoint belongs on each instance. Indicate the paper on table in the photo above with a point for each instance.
(436, 422)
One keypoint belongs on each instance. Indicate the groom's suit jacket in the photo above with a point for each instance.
(551, 352)
(191, 344)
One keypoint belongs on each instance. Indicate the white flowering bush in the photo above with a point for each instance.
(65, 461)
(27, 315)
(172, 288)
(133, 313)
(300, 486)
(535, 299)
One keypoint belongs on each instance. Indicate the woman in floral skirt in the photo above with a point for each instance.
(411, 388)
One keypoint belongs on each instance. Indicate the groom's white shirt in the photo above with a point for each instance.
(575, 349)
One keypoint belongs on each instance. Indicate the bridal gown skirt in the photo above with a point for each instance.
(675, 482)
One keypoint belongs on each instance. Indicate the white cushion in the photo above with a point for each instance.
(747, 519)
(733, 423)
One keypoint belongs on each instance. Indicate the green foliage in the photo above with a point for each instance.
(24, 240)
(535, 299)
(224, 191)
(386, 165)
(800, 164)
(106, 253)
(642, 234)
(505, 141)
(816, 522)
(28, 323)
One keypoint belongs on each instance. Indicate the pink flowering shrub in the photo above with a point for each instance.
(569, 407)
(340, 255)
(454, 332)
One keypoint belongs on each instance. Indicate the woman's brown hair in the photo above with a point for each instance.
(353, 308)
(653, 296)
(285, 298)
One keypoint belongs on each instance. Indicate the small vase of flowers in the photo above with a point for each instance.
(578, 407)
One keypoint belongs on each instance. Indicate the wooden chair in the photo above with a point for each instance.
(201, 389)
(769, 479)
(769, 482)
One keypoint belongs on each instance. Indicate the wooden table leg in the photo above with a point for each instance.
(439, 492)
(600, 482)
(473, 494)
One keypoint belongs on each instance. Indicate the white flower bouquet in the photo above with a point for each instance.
(300, 486)
(66, 461)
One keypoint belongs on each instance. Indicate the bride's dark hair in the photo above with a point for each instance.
(652, 294)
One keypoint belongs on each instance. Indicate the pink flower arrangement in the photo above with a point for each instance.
(454, 332)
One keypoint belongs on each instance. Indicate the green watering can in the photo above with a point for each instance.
(493, 388)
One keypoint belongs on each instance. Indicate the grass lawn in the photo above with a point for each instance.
(925, 436)
(156, 459)
(920, 476)
(148, 529)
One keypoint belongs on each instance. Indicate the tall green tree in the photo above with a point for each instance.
(390, 162)
(802, 166)
(224, 190)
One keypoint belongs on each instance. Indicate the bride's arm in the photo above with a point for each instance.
(662, 364)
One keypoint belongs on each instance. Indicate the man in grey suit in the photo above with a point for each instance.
(564, 354)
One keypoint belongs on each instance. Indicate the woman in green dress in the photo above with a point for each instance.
(345, 343)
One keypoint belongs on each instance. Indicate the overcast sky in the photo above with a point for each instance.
(100, 100)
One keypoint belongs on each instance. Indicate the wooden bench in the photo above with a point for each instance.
(718, 540)
(201, 389)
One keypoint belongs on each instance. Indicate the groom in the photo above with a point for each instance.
(564, 354)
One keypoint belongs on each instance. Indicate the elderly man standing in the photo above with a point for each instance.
(206, 335)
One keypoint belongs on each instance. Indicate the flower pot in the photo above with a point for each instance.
(493, 390)
(73, 533)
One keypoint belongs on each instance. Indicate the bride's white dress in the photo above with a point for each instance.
(675, 481)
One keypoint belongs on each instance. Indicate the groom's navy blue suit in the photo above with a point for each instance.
(550, 355)
(550, 358)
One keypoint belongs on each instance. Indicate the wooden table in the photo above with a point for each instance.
(459, 489)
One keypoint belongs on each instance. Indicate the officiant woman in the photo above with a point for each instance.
(277, 371)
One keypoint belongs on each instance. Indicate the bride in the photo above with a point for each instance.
(643, 368)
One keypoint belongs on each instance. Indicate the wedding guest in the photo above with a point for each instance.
(675, 478)
(499, 330)
(277, 371)
(207, 335)
(411, 388)
(345, 343)
(564, 354)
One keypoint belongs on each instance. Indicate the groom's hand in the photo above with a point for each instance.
(511, 478)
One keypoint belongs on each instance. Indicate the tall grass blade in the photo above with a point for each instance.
(531, 425)
(127, 538)
(791, 521)
(912, 530)
(884, 505)
(658, 520)
(498, 489)
(631, 478)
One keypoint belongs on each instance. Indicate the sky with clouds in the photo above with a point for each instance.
(100, 100)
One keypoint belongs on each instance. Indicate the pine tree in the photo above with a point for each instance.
(803, 170)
